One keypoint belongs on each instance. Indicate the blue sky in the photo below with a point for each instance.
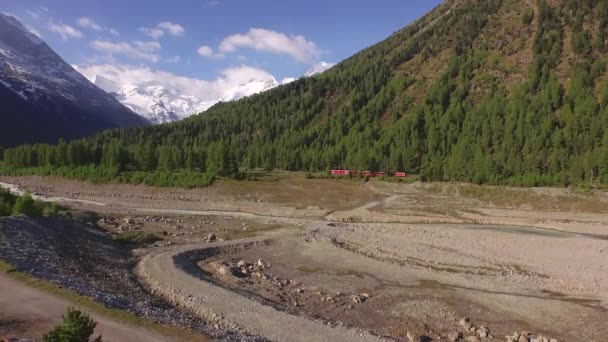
(202, 39)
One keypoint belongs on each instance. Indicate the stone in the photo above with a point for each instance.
(472, 338)
(241, 263)
(464, 320)
(226, 270)
(358, 299)
(211, 238)
(129, 220)
(523, 338)
(410, 337)
(454, 336)
(260, 263)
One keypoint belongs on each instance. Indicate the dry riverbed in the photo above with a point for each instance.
(395, 261)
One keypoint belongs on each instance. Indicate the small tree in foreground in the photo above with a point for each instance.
(76, 327)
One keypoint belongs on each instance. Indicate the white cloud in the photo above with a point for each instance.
(33, 14)
(152, 32)
(65, 31)
(137, 50)
(318, 68)
(206, 90)
(147, 46)
(207, 52)
(165, 27)
(298, 47)
(172, 28)
(90, 24)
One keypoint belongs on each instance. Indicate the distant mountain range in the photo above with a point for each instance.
(158, 104)
(43, 98)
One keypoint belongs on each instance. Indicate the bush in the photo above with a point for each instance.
(27, 206)
(76, 327)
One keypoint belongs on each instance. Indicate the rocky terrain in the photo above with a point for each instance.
(420, 262)
(80, 257)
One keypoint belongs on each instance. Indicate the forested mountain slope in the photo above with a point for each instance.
(502, 91)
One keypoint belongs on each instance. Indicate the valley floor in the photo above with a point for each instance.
(311, 259)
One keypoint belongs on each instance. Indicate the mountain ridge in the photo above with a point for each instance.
(37, 85)
(491, 91)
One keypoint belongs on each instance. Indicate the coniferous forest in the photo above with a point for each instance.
(491, 91)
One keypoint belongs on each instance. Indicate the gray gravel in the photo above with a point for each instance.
(83, 259)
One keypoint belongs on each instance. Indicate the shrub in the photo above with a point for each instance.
(27, 206)
(76, 327)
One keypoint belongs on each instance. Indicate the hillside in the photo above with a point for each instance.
(500, 91)
(43, 98)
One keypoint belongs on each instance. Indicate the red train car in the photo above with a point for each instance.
(340, 172)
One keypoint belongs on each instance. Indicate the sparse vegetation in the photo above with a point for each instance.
(76, 327)
(25, 205)
(136, 237)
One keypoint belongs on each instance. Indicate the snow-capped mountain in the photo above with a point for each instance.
(44, 98)
(153, 102)
(252, 87)
(160, 105)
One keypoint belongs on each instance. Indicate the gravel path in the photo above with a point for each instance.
(164, 272)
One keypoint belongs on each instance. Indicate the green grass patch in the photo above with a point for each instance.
(97, 174)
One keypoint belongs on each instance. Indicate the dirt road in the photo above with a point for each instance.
(28, 312)
(216, 304)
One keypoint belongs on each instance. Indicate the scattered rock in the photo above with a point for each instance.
(226, 270)
(211, 238)
(359, 298)
(463, 321)
(454, 336)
